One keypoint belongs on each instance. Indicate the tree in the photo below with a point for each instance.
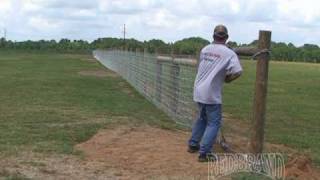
(190, 46)
(156, 45)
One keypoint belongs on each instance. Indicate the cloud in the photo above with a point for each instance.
(64, 4)
(290, 20)
(299, 14)
(128, 6)
(5, 8)
(260, 11)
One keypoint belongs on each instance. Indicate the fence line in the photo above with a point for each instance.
(168, 82)
(164, 80)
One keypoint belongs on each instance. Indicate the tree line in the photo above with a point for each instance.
(188, 46)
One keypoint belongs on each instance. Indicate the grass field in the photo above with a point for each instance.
(293, 104)
(47, 106)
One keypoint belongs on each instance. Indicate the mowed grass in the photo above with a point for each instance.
(293, 104)
(47, 106)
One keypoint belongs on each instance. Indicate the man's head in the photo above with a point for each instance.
(220, 34)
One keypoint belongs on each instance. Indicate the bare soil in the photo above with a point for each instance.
(43, 166)
(148, 152)
(145, 153)
(137, 152)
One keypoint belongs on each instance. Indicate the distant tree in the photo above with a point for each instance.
(3, 43)
(190, 46)
(254, 43)
(157, 45)
(310, 47)
(133, 44)
(107, 43)
(232, 44)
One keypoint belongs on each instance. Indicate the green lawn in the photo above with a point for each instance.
(293, 110)
(47, 106)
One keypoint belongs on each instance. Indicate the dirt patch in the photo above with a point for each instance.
(135, 152)
(299, 167)
(98, 73)
(145, 153)
(39, 166)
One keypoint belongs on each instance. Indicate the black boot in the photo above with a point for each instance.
(193, 149)
(209, 157)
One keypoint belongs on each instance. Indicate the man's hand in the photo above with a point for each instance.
(231, 77)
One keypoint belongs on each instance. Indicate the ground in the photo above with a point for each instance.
(64, 116)
(136, 152)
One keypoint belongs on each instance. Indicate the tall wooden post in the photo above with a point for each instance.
(158, 80)
(261, 84)
(145, 70)
(158, 90)
(196, 109)
(174, 73)
(137, 67)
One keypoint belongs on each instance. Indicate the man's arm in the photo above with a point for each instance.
(232, 77)
(233, 69)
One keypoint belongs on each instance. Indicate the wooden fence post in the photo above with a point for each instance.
(174, 73)
(137, 65)
(196, 109)
(158, 79)
(261, 84)
(145, 71)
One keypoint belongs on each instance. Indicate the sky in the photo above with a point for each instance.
(296, 21)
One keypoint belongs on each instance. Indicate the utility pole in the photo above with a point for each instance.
(124, 32)
(5, 33)
(124, 36)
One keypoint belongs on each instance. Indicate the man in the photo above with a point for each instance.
(218, 64)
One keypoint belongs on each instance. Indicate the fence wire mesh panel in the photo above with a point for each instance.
(165, 81)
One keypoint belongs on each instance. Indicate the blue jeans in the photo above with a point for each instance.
(206, 128)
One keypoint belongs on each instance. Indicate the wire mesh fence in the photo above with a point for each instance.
(166, 81)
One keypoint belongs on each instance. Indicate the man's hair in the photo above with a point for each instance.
(220, 33)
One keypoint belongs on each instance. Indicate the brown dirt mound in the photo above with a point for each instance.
(98, 73)
(145, 152)
(299, 167)
(148, 152)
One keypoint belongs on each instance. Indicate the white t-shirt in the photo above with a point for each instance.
(216, 61)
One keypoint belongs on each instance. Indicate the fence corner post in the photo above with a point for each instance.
(260, 96)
